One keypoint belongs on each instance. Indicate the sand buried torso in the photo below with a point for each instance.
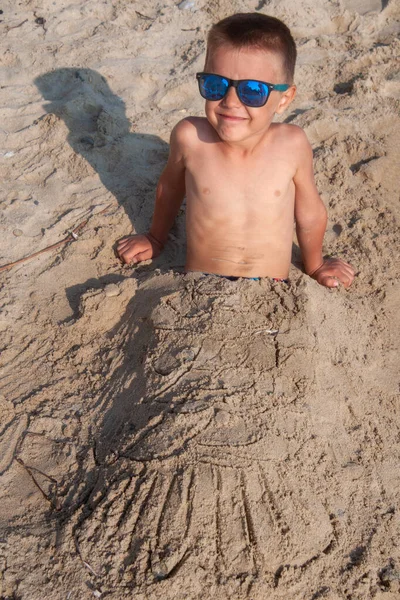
(218, 480)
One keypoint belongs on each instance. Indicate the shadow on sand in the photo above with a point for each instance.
(127, 163)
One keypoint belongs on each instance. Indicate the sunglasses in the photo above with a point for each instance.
(250, 92)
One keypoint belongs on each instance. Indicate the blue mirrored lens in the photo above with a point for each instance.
(253, 93)
(213, 87)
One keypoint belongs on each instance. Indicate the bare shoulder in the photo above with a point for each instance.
(191, 130)
(294, 142)
(186, 137)
(291, 134)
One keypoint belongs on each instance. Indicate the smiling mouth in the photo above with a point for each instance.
(231, 117)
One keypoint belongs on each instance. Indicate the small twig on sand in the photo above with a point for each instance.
(142, 16)
(16, 26)
(55, 505)
(82, 559)
(268, 331)
(70, 238)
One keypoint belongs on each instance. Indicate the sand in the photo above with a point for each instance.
(171, 436)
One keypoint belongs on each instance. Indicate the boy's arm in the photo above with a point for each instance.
(171, 186)
(311, 218)
(169, 196)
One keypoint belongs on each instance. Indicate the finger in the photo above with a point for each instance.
(347, 265)
(124, 257)
(120, 248)
(123, 250)
(344, 274)
(350, 277)
(141, 256)
(129, 249)
(345, 277)
(135, 257)
(348, 269)
(330, 282)
(128, 256)
(123, 243)
(345, 280)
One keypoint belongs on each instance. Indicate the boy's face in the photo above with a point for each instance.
(233, 121)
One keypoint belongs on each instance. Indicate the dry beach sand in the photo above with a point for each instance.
(170, 436)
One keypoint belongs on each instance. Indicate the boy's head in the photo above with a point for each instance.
(254, 31)
(248, 76)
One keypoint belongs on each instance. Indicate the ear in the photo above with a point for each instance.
(286, 99)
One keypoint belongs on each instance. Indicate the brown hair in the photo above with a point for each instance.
(258, 31)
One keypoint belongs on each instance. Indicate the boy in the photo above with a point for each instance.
(246, 179)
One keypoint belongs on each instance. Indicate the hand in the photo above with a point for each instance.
(334, 272)
(136, 248)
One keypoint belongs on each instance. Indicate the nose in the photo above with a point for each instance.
(231, 99)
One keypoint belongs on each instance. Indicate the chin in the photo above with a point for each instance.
(230, 134)
(231, 138)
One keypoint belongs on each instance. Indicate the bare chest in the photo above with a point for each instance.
(218, 183)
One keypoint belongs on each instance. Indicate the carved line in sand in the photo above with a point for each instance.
(218, 477)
